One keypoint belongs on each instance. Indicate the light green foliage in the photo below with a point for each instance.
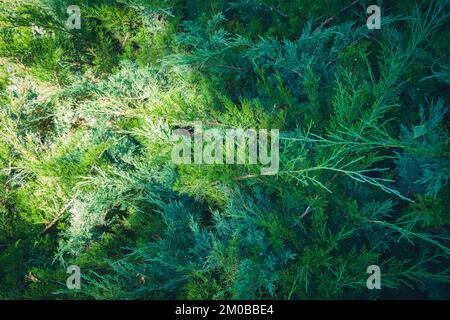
(86, 176)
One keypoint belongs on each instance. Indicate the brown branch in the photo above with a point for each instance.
(248, 176)
(58, 216)
(307, 211)
(332, 18)
(124, 41)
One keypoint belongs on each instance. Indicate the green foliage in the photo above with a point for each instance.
(86, 176)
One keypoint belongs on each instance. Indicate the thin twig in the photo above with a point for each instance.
(307, 211)
(59, 215)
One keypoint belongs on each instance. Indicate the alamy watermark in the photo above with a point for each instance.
(374, 280)
(73, 281)
(74, 20)
(229, 146)
(374, 20)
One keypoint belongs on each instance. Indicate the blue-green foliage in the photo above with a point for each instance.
(86, 176)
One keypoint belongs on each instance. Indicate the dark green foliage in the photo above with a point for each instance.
(86, 176)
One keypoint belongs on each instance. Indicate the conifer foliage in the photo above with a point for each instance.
(86, 171)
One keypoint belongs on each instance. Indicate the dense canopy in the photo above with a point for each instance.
(87, 177)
